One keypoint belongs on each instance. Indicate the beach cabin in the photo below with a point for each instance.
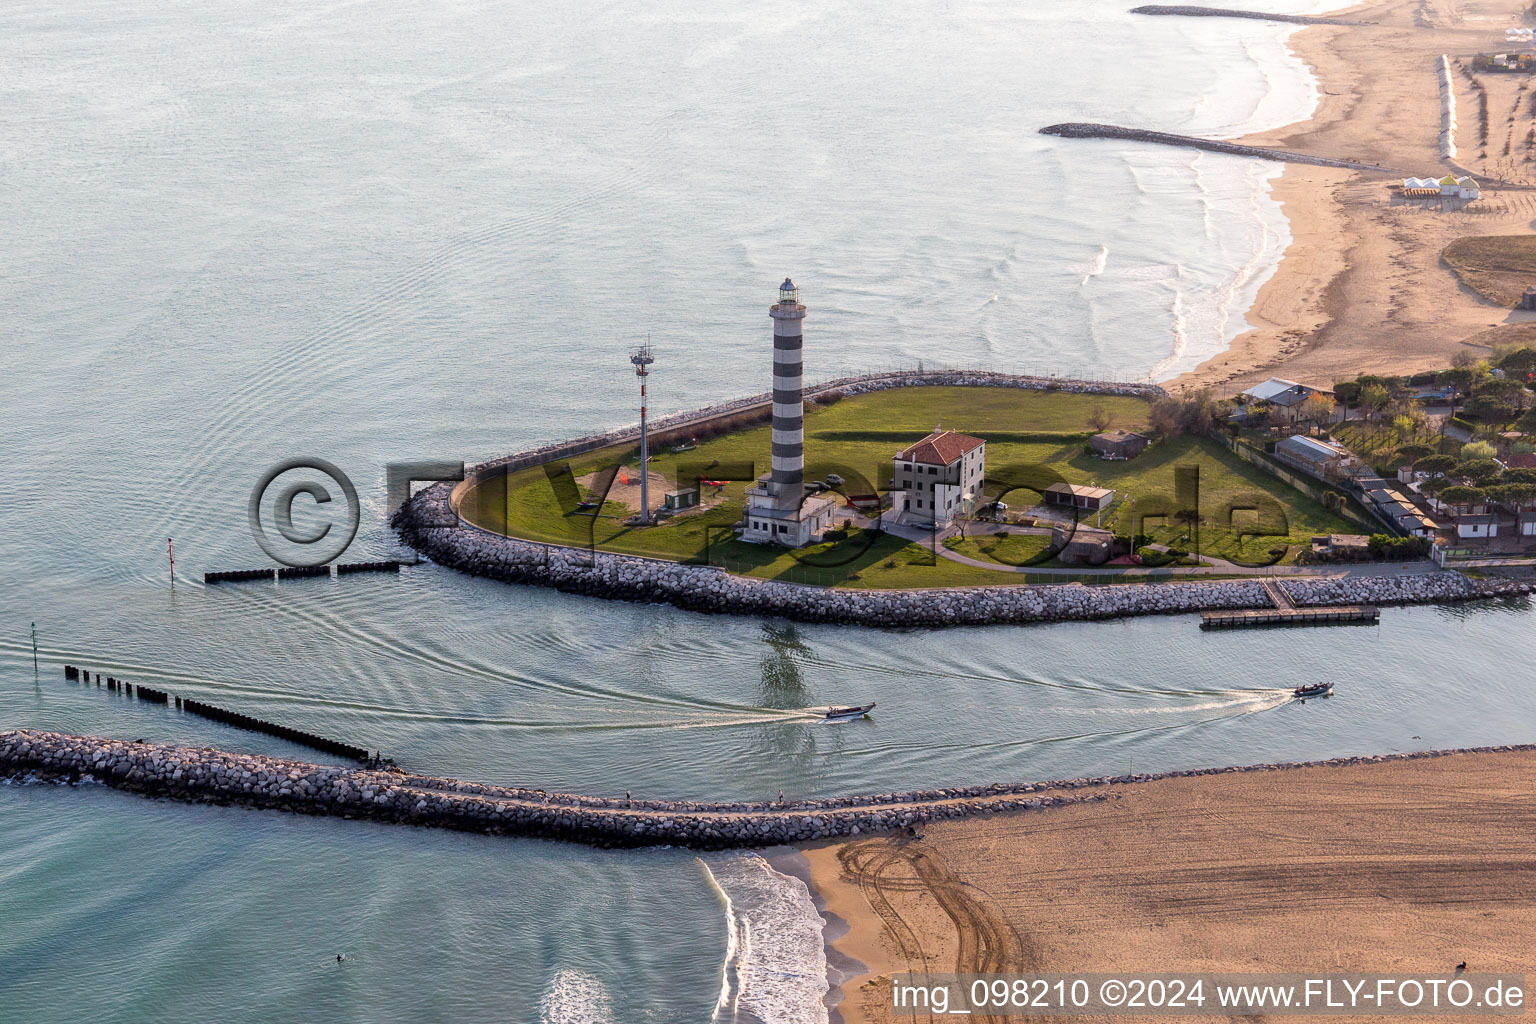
(1453, 187)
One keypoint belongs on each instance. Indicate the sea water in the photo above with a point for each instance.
(377, 232)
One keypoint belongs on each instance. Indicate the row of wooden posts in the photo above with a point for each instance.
(224, 715)
(290, 572)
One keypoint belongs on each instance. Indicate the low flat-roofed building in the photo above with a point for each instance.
(1081, 496)
(1082, 545)
(1118, 444)
(1322, 459)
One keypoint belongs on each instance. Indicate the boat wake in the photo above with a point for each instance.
(775, 965)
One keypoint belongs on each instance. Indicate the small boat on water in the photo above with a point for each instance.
(1314, 690)
(848, 714)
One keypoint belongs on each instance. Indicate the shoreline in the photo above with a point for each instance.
(1360, 288)
(1403, 865)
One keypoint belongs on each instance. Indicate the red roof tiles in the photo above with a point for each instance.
(941, 449)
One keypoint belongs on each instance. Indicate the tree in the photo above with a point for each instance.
(1374, 399)
(1477, 450)
(1516, 496)
(1477, 471)
(1193, 412)
(1412, 453)
(1435, 465)
(1099, 420)
(1499, 400)
(1519, 363)
(1462, 497)
(1317, 409)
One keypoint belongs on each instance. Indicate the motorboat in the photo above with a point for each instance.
(849, 713)
(1314, 690)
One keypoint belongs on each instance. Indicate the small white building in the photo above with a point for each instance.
(768, 521)
(938, 478)
(1477, 527)
(1459, 188)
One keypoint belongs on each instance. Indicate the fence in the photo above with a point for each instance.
(1350, 508)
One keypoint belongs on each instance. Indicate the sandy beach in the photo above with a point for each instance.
(1362, 287)
(1399, 866)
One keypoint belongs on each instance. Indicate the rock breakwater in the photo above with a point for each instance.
(205, 775)
(1087, 130)
(711, 589)
(1423, 588)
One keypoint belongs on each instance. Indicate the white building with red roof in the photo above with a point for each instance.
(938, 478)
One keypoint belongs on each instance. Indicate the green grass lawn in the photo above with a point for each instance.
(1033, 437)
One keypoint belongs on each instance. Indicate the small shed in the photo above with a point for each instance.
(1528, 298)
(1082, 545)
(1477, 526)
(685, 498)
(1118, 444)
(1079, 496)
(1419, 525)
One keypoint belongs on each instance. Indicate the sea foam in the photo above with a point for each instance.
(776, 962)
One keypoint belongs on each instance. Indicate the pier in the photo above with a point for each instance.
(1244, 618)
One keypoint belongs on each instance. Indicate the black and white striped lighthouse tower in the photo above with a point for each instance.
(788, 399)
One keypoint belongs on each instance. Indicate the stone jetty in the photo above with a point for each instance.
(1225, 12)
(1087, 130)
(205, 775)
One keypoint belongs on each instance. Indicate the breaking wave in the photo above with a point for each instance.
(775, 961)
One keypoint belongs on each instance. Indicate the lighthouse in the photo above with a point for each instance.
(778, 510)
(788, 397)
